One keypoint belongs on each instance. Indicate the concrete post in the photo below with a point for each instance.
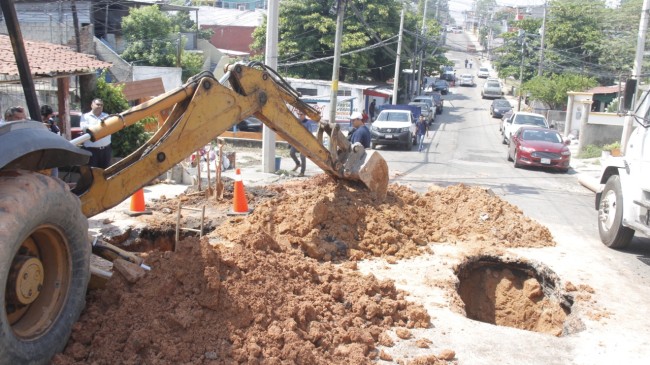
(586, 106)
(569, 116)
(271, 60)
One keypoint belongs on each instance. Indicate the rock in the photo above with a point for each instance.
(384, 356)
(447, 354)
(130, 271)
(403, 333)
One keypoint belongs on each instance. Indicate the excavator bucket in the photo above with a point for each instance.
(374, 175)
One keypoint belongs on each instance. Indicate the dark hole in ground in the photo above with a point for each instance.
(513, 293)
(159, 239)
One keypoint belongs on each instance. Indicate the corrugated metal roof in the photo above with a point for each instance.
(241, 18)
(46, 60)
(604, 89)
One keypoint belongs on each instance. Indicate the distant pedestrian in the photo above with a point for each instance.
(302, 163)
(101, 149)
(47, 116)
(466, 61)
(371, 110)
(470, 64)
(421, 129)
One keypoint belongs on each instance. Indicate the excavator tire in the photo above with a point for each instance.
(610, 216)
(44, 266)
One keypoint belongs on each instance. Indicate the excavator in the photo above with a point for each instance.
(45, 248)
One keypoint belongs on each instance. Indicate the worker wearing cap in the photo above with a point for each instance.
(360, 133)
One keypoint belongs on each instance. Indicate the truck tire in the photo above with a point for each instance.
(610, 216)
(44, 266)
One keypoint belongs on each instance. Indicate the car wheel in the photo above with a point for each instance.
(505, 140)
(508, 155)
(516, 159)
(610, 216)
(373, 145)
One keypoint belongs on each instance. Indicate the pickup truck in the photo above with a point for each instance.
(395, 125)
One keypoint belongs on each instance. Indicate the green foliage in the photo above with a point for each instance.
(307, 32)
(612, 146)
(590, 151)
(552, 90)
(148, 33)
(192, 64)
(130, 138)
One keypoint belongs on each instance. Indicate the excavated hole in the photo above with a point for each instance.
(157, 239)
(514, 293)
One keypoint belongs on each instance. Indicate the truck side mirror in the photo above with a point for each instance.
(628, 97)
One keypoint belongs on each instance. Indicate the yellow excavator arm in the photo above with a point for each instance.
(204, 108)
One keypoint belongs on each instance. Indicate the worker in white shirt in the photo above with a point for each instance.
(101, 149)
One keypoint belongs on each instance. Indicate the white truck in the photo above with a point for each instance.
(624, 202)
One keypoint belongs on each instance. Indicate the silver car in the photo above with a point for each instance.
(491, 90)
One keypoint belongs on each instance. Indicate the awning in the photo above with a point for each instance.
(381, 93)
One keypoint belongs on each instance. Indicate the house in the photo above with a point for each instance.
(233, 29)
(52, 66)
(231, 4)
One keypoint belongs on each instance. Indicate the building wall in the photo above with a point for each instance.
(231, 37)
(171, 76)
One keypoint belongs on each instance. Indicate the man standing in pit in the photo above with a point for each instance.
(101, 150)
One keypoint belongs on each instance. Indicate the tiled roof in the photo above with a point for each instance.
(604, 89)
(46, 60)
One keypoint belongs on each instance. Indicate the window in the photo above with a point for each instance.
(307, 92)
(344, 93)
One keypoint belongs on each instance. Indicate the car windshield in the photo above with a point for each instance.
(502, 104)
(441, 82)
(547, 136)
(482, 69)
(393, 117)
(530, 120)
(423, 100)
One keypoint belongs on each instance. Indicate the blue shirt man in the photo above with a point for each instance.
(360, 133)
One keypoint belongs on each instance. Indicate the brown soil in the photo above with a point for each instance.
(256, 298)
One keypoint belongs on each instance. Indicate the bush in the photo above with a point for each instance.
(612, 146)
(590, 151)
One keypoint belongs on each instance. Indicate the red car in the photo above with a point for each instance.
(533, 146)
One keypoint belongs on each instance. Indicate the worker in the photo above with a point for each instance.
(15, 113)
(47, 117)
(360, 132)
(101, 149)
(302, 164)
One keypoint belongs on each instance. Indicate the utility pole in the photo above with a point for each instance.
(636, 72)
(340, 14)
(424, 28)
(271, 60)
(399, 52)
(541, 48)
(521, 68)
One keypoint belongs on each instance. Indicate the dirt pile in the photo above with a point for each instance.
(254, 297)
(220, 305)
(329, 221)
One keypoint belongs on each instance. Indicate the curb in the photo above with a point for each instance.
(589, 182)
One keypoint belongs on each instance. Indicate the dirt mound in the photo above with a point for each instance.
(254, 297)
(331, 221)
(219, 305)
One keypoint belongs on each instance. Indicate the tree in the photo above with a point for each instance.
(552, 90)
(307, 32)
(148, 34)
(152, 38)
(508, 58)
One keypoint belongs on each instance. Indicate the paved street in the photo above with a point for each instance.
(465, 147)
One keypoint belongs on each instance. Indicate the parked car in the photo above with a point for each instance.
(499, 107)
(433, 98)
(483, 73)
(533, 146)
(466, 80)
(250, 124)
(442, 86)
(520, 119)
(491, 89)
(75, 118)
(426, 110)
(393, 127)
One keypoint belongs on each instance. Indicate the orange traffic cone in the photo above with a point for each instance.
(239, 202)
(137, 204)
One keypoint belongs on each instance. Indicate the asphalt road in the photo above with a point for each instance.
(464, 147)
